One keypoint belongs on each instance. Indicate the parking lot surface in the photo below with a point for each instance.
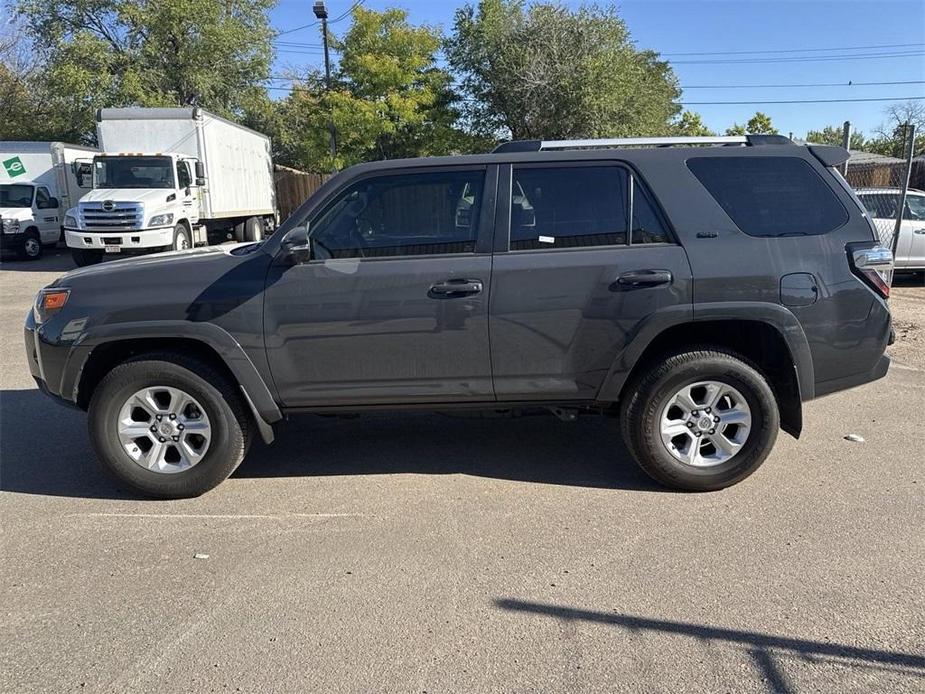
(428, 553)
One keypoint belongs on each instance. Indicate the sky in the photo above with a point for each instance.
(760, 42)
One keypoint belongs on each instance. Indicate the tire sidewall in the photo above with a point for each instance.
(180, 231)
(225, 448)
(761, 437)
(32, 235)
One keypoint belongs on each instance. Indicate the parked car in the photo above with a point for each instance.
(37, 184)
(700, 290)
(881, 203)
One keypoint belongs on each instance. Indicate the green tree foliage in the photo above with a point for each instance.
(759, 124)
(832, 135)
(388, 98)
(99, 53)
(690, 124)
(545, 71)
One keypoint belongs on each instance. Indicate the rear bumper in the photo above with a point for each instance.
(878, 371)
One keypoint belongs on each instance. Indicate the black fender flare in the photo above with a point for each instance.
(775, 315)
(256, 392)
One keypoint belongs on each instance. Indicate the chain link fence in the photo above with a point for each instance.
(882, 184)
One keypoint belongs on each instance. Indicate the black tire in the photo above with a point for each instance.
(219, 398)
(83, 258)
(181, 238)
(641, 410)
(239, 231)
(253, 229)
(32, 248)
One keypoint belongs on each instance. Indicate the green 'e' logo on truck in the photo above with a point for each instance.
(14, 167)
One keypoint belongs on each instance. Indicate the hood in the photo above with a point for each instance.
(159, 268)
(148, 196)
(20, 213)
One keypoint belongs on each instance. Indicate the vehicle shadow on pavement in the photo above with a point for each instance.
(44, 449)
(55, 260)
(764, 650)
(586, 453)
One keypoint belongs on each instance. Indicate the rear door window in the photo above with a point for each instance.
(771, 196)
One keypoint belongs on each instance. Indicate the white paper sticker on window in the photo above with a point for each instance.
(547, 239)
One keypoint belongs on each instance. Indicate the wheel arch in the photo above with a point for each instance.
(95, 353)
(776, 346)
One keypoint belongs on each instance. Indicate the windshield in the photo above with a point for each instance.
(133, 172)
(15, 196)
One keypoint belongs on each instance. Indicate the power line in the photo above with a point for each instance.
(799, 101)
(332, 21)
(865, 56)
(801, 50)
(850, 83)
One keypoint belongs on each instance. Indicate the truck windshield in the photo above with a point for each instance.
(16, 196)
(133, 172)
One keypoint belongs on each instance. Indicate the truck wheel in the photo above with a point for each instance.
(83, 258)
(253, 229)
(168, 425)
(700, 420)
(31, 245)
(181, 238)
(239, 232)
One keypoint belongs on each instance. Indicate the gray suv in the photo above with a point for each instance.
(699, 290)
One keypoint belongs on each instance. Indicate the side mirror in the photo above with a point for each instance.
(53, 203)
(200, 171)
(200, 180)
(297, 246)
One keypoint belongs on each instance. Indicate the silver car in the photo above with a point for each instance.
(881, 204)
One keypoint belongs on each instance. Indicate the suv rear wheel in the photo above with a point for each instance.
(167, 425)
(700, 420)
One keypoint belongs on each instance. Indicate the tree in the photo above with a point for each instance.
(690, 124)
(388, 99)
(890, 137)
(98, 53)
(549, 72)
(759, 124)
(832, 135)
(20, 102)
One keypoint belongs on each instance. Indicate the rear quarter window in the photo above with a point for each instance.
(770, 196)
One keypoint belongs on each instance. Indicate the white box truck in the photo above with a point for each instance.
(37, 184)
(169, 179)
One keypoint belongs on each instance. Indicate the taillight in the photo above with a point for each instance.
(873, 264)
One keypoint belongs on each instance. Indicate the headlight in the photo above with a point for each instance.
(11, 226)
(70, 221)
(160, 220)
(47, 302)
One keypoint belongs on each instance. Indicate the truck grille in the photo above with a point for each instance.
(111, 216)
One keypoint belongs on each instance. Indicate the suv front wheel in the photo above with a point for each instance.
(700, 420)
(168, 425)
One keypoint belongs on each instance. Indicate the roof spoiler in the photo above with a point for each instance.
(830, 156)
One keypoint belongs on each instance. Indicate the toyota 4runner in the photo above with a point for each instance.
(699, 289)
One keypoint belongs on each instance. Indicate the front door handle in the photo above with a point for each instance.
(641, 278)
(455, 288)
(918, 231)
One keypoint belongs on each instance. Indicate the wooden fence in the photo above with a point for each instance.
(293, 187)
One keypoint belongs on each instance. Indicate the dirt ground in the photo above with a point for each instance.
(907, 302)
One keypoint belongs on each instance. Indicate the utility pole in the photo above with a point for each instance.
(321, 13)
(846, 143)
(909, 132)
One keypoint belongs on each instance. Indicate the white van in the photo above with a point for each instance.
(37, 184)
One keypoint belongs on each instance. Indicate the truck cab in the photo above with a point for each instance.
(139, 203)
(30, 218)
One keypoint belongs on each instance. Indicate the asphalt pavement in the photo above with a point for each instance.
(423, 553)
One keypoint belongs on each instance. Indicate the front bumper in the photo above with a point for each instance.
(46, 362)
(12, 242)
(126, 241)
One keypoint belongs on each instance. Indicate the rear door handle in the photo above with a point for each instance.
(641, 278)
(455, 288)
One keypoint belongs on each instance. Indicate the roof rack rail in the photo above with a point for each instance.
(550, 145)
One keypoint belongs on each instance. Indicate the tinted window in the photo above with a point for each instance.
(183, 177)
(42, 198)
(770, 196)
(414, 214)
(568, 207)
(647, 226)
